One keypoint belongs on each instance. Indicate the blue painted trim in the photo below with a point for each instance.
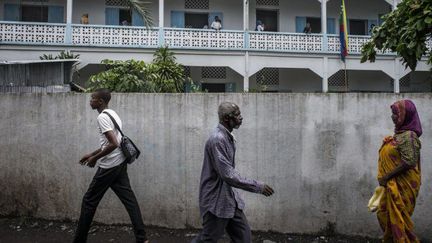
(161, 37)
(68, 34)
(325, 43)
(246, 40)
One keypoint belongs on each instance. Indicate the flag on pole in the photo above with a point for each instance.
(343, 33)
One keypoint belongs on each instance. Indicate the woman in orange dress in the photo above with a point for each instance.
(399, 171)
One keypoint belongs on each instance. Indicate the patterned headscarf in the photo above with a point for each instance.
(407, 117)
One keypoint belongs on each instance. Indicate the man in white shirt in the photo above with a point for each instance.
(217, 23)
(111, 173)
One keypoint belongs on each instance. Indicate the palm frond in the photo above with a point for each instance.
(143, 8)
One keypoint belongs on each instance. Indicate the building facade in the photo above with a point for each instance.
(236, 58)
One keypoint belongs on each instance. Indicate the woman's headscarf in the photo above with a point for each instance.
(407, 117)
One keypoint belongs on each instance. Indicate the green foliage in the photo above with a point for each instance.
(62, 55)
(163, 75)
(404, 31)
(143, 7)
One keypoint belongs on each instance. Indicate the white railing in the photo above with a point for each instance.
(355, 43)
(140, 37)
(294, 42)
(114, 36)
(32, 33)
(204, 39)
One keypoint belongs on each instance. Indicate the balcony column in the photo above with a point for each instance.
(161, 23)
(325, 75)
(68, 37)
(396, 77)
(246, 44)
(324, 23)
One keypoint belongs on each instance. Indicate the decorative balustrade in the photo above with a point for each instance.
(204, 39)
(293, 42)
(120, 36)
(32, 33)
(355, 43)
(140, 37)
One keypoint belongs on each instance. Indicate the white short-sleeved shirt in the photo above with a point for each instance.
(105, 124)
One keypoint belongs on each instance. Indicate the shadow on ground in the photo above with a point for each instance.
(28, 230)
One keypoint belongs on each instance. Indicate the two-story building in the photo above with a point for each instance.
(237, 58)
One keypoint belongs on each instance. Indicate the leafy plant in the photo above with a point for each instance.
(62, 55)
(404, 31)
(143, 8)
(163, 75)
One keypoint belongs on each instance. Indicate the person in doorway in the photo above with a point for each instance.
(125, 23)
(399, 171)
(260, 26)
(221, 206)
(111, 172)
(84, 19)
(307, 29)
(216, 24)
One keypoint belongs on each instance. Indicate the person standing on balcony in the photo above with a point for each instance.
(260, 26)
(111, 172)
(221, 206)
(85, 19)
(217, 23)
(307, 29)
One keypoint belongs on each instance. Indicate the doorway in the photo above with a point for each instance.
(269, 18)
(196, 20)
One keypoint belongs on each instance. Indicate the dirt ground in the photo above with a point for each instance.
(28, 230)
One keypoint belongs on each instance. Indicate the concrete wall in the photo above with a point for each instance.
(318, 151)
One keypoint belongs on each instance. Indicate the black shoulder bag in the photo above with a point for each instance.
(128, 147)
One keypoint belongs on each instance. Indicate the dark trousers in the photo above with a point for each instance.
(213, 228)
(117, 179)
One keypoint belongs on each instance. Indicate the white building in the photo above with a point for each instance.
(237, 58)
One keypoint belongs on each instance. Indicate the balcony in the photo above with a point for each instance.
(19, 33)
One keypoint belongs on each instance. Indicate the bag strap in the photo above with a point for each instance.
(115, 123)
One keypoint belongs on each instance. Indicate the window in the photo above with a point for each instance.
(34, 13)
(196, 20)
(125, 17)
(197, 4)
(358, 27)
(213, 73)
(315, 24)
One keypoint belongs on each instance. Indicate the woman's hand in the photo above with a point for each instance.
(383, 181)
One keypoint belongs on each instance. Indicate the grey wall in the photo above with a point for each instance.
(318, 151)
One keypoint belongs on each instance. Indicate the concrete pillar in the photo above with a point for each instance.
(324, 16)
(245, 15)
(395, 3)
(246, 44)
(246, 74)
(324, 23)
(68, 37)
(396, 76)
(161, 13)
(325, 75)
(69, 12)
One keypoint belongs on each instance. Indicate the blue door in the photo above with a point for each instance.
(112, 16)
(300, 24)
(177, 19)
(137, 19)
(331, 26)
(11, 12)
(55, 14)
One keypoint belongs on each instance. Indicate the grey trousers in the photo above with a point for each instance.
(213, 228)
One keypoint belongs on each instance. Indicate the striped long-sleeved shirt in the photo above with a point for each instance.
(218, 177)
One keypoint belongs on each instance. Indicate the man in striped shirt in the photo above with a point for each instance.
(221, 206)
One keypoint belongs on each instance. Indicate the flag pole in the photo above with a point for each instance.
(346, 77)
